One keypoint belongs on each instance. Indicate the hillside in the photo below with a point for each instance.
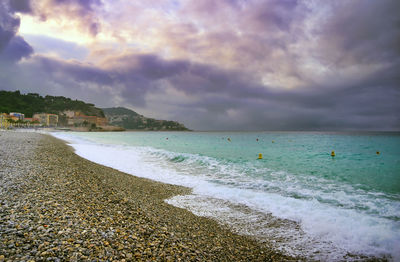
(128, 119)
(31, 103)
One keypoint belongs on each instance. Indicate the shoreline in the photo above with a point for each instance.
(60, 206)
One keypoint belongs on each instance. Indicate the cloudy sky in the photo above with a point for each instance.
(213, 64)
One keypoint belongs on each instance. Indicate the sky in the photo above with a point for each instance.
(213, 64)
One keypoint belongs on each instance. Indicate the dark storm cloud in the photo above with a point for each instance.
(367, 108)
(224, 99)
(370, 103)
(75, 79)
(80, 7)
(362, 32)
(23, 6)
(9, 25)
(275, 14)
(356, 41)
(260, 16)
(16, 49)
(152, 66)
(85, 4)
(79, 71)
(190, 78)
(12, 47)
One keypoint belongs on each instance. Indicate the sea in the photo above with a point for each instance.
(297, 199)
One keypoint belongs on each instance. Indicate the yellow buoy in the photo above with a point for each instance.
(377, 152)
(260, 156)
(273, 141)
(333, 153)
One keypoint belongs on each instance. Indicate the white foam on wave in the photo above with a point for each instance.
(328, 229)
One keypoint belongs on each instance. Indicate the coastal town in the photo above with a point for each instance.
(67, 119)
(32, 110)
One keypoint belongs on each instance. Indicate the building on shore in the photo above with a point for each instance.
(69, 113)
(101, 121)
(16, 120)
(17, 116)
(79, 119)
(47, 119)
(68, 118)
(4, 120)
(31, 120)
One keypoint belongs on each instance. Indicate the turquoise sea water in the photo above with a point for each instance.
(349, 203)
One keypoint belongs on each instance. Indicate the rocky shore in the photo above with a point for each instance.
(56, 206)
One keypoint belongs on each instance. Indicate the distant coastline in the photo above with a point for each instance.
(32, 110)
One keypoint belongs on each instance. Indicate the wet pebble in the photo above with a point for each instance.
(56, 206)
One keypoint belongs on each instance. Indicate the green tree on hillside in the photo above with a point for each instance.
(32, 103)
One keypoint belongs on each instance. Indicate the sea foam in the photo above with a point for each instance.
(286, 210)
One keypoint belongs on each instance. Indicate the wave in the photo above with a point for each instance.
(300, 215)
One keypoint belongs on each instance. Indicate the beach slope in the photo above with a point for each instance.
(57, 206)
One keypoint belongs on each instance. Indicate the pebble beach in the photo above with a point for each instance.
(57, 206)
